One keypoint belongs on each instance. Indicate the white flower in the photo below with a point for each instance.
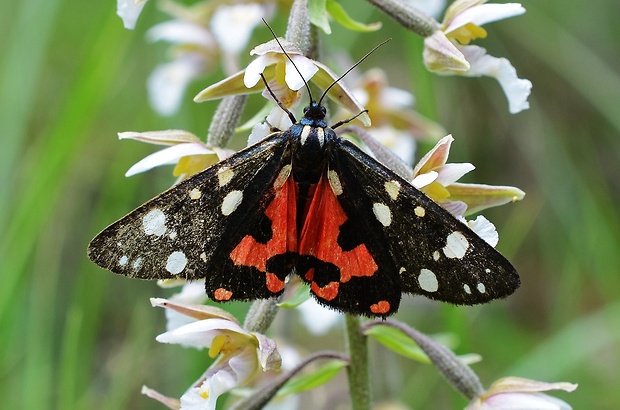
(437, 179)
(186, 151)
(447, 50)
(514, 393)
(129, 11)
(242, 355)
(240, 19)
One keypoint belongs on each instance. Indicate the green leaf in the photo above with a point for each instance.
(300, 296)
(339, 14)
(399, 342)
(309, 381)
(318, 15)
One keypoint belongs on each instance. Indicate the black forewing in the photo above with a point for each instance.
(415, 244)
(194, 228)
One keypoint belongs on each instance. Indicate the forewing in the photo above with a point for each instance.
(432, 253)
(190, 230)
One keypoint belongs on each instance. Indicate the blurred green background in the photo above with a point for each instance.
(73, 336)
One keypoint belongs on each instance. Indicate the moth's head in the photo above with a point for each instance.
(315, 111)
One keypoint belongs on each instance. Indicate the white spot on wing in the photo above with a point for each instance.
(123, 260)
(419, 211)
(231, 201)
(334, 182)
(467, 289)
(456, 245)
(304, 134)
(393, 189)
(137, 263)
(224, 176)
(176, 262)
(195, 193)
(382, 213)
(320, 132)
(154, 222)
(481, 288)
(428, 280)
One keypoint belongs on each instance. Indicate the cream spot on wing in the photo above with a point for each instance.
(456, 245)
(176, 262)
(320, 133)
(382, 213)
(123, 260)
(173, 235)
(334, 182)
(304, 134)
(203, 256)
(231, 201)
(393, 189)
(137, 263)
(195, 193)
(224, 176)
(419, 211)
(154, 223)
(402, 270)
(467, 289)
(481, 288)
(283, 175)
(428, 280)
(436, 255)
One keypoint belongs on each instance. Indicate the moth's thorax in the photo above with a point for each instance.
(309, 145)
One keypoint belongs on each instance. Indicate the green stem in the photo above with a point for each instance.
(359, 380)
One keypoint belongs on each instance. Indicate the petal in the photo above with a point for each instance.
(244, 365)
(191, 310)
(268, 355)
(519, 384)
(200, 334)
(521, 401)
(517, 90)
(256, 68)
(165, 137)
(129, 11)
(239, 19)
(233, 85)
(423, 180)
(167, 83)
(479, 196)
(456, 208)
(275, 47)
(436, 157)
(259, 132)
(442, 56)
(181, 32)
(485, 229)
(165, 400)
(450, 173)
(168, 156)
(306, 67)
(484, 13)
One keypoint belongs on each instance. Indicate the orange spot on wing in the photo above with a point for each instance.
(327, 292)
(281, 212)
(381, 307)
(222, 294)
(274, 284)
(319, 236)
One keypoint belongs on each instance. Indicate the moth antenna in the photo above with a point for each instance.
(349, 70)
(339, 123)
(286, 110)
(291, 60)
